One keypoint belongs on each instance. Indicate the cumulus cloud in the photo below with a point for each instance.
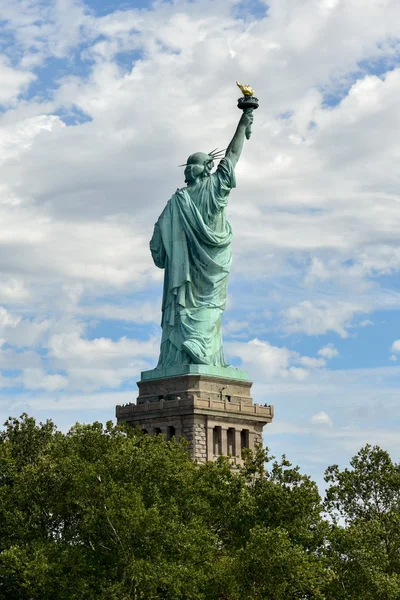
(67, 360)
(270, 361)
(37, 379)
(315, 318)
(45, 30)
(79, 351)
(93, 364)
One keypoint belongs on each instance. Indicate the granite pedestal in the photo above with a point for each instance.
(215, 413)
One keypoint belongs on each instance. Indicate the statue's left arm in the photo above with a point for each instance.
(157, 248)
(234, 150)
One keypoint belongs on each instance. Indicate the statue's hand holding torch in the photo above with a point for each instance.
(248, 103)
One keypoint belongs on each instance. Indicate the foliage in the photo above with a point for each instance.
(109, 513)
(364, 540)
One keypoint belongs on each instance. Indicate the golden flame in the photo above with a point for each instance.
(247, 90)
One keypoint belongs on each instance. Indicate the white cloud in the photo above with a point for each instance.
(28, 332)
(315, 318)
(262, 358)
(365, 323)
(15, 360)
(312, 363)
(396, 346)
(45, 29)
(239, 329)
(321, 418)
(37, 379)
(7, 319)
(79, 351)
(55, 355)
(298, 373)
(13, 291)
(328, 351)
(13, 81)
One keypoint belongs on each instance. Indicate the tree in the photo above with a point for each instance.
(363, 504)
(111, 513)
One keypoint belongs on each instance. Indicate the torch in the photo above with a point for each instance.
(247, 101)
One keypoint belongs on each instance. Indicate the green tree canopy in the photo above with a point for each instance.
(111, 513)
(364, 541)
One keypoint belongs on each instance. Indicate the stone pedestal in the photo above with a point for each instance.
(215, 414)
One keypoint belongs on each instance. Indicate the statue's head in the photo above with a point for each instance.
(200, 165)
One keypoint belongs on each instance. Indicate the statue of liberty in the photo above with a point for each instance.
(192, 243)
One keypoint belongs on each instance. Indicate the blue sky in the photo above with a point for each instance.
(99, 103)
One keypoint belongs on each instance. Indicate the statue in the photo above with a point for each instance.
(192, 242)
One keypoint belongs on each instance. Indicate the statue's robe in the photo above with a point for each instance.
(192, 242)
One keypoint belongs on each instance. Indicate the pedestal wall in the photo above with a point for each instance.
(215, 414)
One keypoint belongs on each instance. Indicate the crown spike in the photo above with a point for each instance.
(214, 153)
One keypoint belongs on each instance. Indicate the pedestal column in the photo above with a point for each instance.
(224, 441)
(238, 443)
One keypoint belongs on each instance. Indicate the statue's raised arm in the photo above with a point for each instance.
(192, 243)
(234, 150)
(248, 103)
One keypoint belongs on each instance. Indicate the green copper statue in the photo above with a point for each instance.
(192, 242)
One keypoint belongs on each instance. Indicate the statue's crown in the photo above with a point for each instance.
(202, 158)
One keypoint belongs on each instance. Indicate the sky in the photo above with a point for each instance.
(99, 103)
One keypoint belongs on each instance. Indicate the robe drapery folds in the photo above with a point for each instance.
(192, 242)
